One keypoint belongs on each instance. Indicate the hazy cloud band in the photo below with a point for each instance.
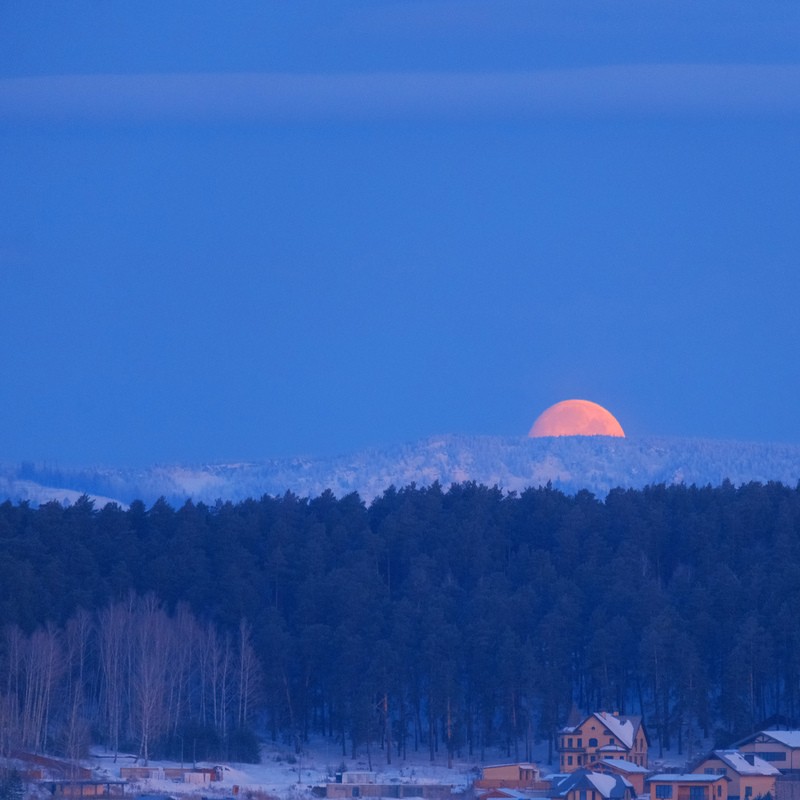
(638, 91)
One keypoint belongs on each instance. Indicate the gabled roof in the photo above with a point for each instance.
(622, 728)
(610, 787)
(741, 763)
(787, 738)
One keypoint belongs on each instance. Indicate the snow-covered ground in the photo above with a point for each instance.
(284, 774)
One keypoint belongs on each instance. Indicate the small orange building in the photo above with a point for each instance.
(602, 736)
(750, 775)
(690, 786)
(510, 776)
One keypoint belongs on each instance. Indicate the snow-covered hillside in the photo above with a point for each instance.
(595, 463)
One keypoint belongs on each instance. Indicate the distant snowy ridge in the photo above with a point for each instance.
(595, 463)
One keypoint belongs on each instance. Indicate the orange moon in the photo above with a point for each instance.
(576, 418)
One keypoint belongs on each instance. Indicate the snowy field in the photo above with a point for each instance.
(284, 774)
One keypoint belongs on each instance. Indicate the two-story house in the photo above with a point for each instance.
(750, 776)
(779, 748)
(602, 736)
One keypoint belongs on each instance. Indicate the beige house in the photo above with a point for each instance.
(779, 748)
(602, 736)
(750, 776)
(691, 786)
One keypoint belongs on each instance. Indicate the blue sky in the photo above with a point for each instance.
(256, 229)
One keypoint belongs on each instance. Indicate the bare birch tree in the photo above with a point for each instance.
(153, 645)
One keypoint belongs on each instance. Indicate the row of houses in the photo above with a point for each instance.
(604, 756)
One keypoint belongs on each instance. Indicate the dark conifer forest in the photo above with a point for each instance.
(441, 621)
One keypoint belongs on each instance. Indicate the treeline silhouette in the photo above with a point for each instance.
(445, 620)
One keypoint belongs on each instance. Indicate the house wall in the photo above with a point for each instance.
(503, 772)
(683, 790)
(585, 794)
(511, 776)
(760, 786)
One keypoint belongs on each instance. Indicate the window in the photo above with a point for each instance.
(748, 791)
(612, 740)
(592, 742)
(569, 761)
(580, 743)
(771, 756)
(663, 792)
(569, 742)
(697, 792)
(583, 794)
(708, 771)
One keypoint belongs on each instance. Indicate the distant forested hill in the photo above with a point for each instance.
(595, 463)
(442, 620)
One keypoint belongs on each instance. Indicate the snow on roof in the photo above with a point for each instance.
(611, 748)
(620, 727)
(689, 777)
(789, 738)
(623, 765)
(610, 787)
(603, 783)
(739, 762)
